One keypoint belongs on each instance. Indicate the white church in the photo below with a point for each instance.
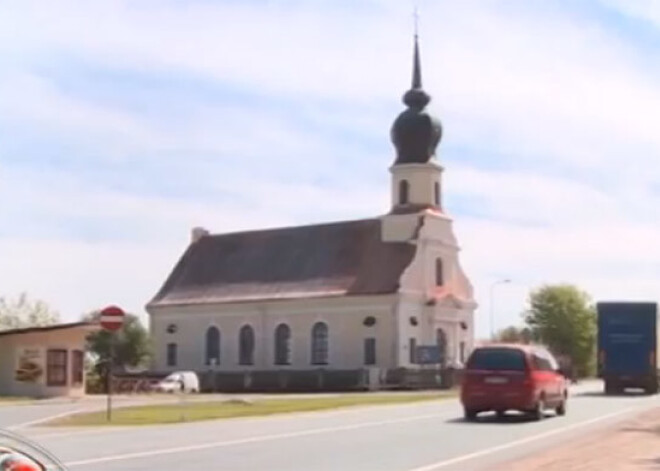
(340, 296)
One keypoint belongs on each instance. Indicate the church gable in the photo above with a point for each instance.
(343, 258)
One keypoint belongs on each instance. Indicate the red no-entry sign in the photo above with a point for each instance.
(112, 318)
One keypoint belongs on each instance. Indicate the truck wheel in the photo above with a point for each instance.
(470, 415)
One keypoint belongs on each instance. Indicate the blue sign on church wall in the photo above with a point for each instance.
(428, 355)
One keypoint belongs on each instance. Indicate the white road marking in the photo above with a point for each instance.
(321, 414)
(515, 443)
(83, 431)
(44, 419)
(243, 441)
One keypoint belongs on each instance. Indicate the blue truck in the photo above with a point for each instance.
(628, 346)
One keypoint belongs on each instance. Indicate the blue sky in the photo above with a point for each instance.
(124, 124)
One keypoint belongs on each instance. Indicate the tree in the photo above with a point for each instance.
(563, 318)
(23, 312)
(132, 344)
(513, 334)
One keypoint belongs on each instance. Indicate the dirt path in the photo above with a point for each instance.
(630, 446)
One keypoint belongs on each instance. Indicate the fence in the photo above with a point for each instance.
(300, 381)
(322, 380)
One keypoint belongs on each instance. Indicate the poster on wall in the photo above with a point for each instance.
(29, 364)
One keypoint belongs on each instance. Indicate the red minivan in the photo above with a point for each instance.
(502, 377)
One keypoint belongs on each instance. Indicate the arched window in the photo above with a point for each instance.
(212, 346)
(441, 342)
(439, 272)
(436, 193)
(246, 345)
(283, 345)
(320, 344)
(404, 190)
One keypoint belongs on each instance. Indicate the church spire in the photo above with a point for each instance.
(416, 133)
(417, 67)
(416, 97)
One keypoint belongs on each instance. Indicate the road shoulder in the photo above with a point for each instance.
(631, 445)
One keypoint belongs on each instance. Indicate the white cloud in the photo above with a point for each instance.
(563, 107)
(647, 10)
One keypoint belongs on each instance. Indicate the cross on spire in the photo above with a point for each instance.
(416, 20)
(417, 67)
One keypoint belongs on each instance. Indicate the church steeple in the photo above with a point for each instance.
(415, 135)
(417, 67)
(416, 97)
(415, 132)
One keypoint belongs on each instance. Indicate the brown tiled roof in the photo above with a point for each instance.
(336, 259)
(46, 328)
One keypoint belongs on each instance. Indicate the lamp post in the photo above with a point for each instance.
(492, 307)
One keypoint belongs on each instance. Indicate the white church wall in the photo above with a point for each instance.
(344, 317)
(399, 227)
(418, 287)
(410, 307)
(421, 180)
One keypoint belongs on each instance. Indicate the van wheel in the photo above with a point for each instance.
(561, 408)
(470, 415)
(539, 411)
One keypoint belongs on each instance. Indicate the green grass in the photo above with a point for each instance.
(13, 399)
(198, 410)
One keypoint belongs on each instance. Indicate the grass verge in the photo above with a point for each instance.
(8, 400)
(198, 410)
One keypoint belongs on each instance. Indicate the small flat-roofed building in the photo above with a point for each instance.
(45, 361)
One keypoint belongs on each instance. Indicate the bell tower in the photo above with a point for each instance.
(415, 134)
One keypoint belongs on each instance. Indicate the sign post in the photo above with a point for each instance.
(112, 319)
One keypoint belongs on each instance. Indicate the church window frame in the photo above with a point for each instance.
(212, 345)
(171, 354)
(370, 351)
(404, 191)
(441, 341)
(439, 272)
(282, 344)
(246, 345)
(320, 343)
(412, 346)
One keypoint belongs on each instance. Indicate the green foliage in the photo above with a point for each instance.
(23, 312)
(513, 334)
(94, 383)
(563, 318)
(132, 347)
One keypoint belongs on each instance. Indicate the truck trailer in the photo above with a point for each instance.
(628, 346)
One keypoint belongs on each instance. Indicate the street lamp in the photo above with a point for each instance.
(492, 308)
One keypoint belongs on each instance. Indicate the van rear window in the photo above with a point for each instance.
(497, 359)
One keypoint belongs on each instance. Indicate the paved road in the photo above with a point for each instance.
(415, 437)
(17, 415)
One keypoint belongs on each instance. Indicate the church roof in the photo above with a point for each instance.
(333, 259)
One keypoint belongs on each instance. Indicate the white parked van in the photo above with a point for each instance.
(179, 381)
